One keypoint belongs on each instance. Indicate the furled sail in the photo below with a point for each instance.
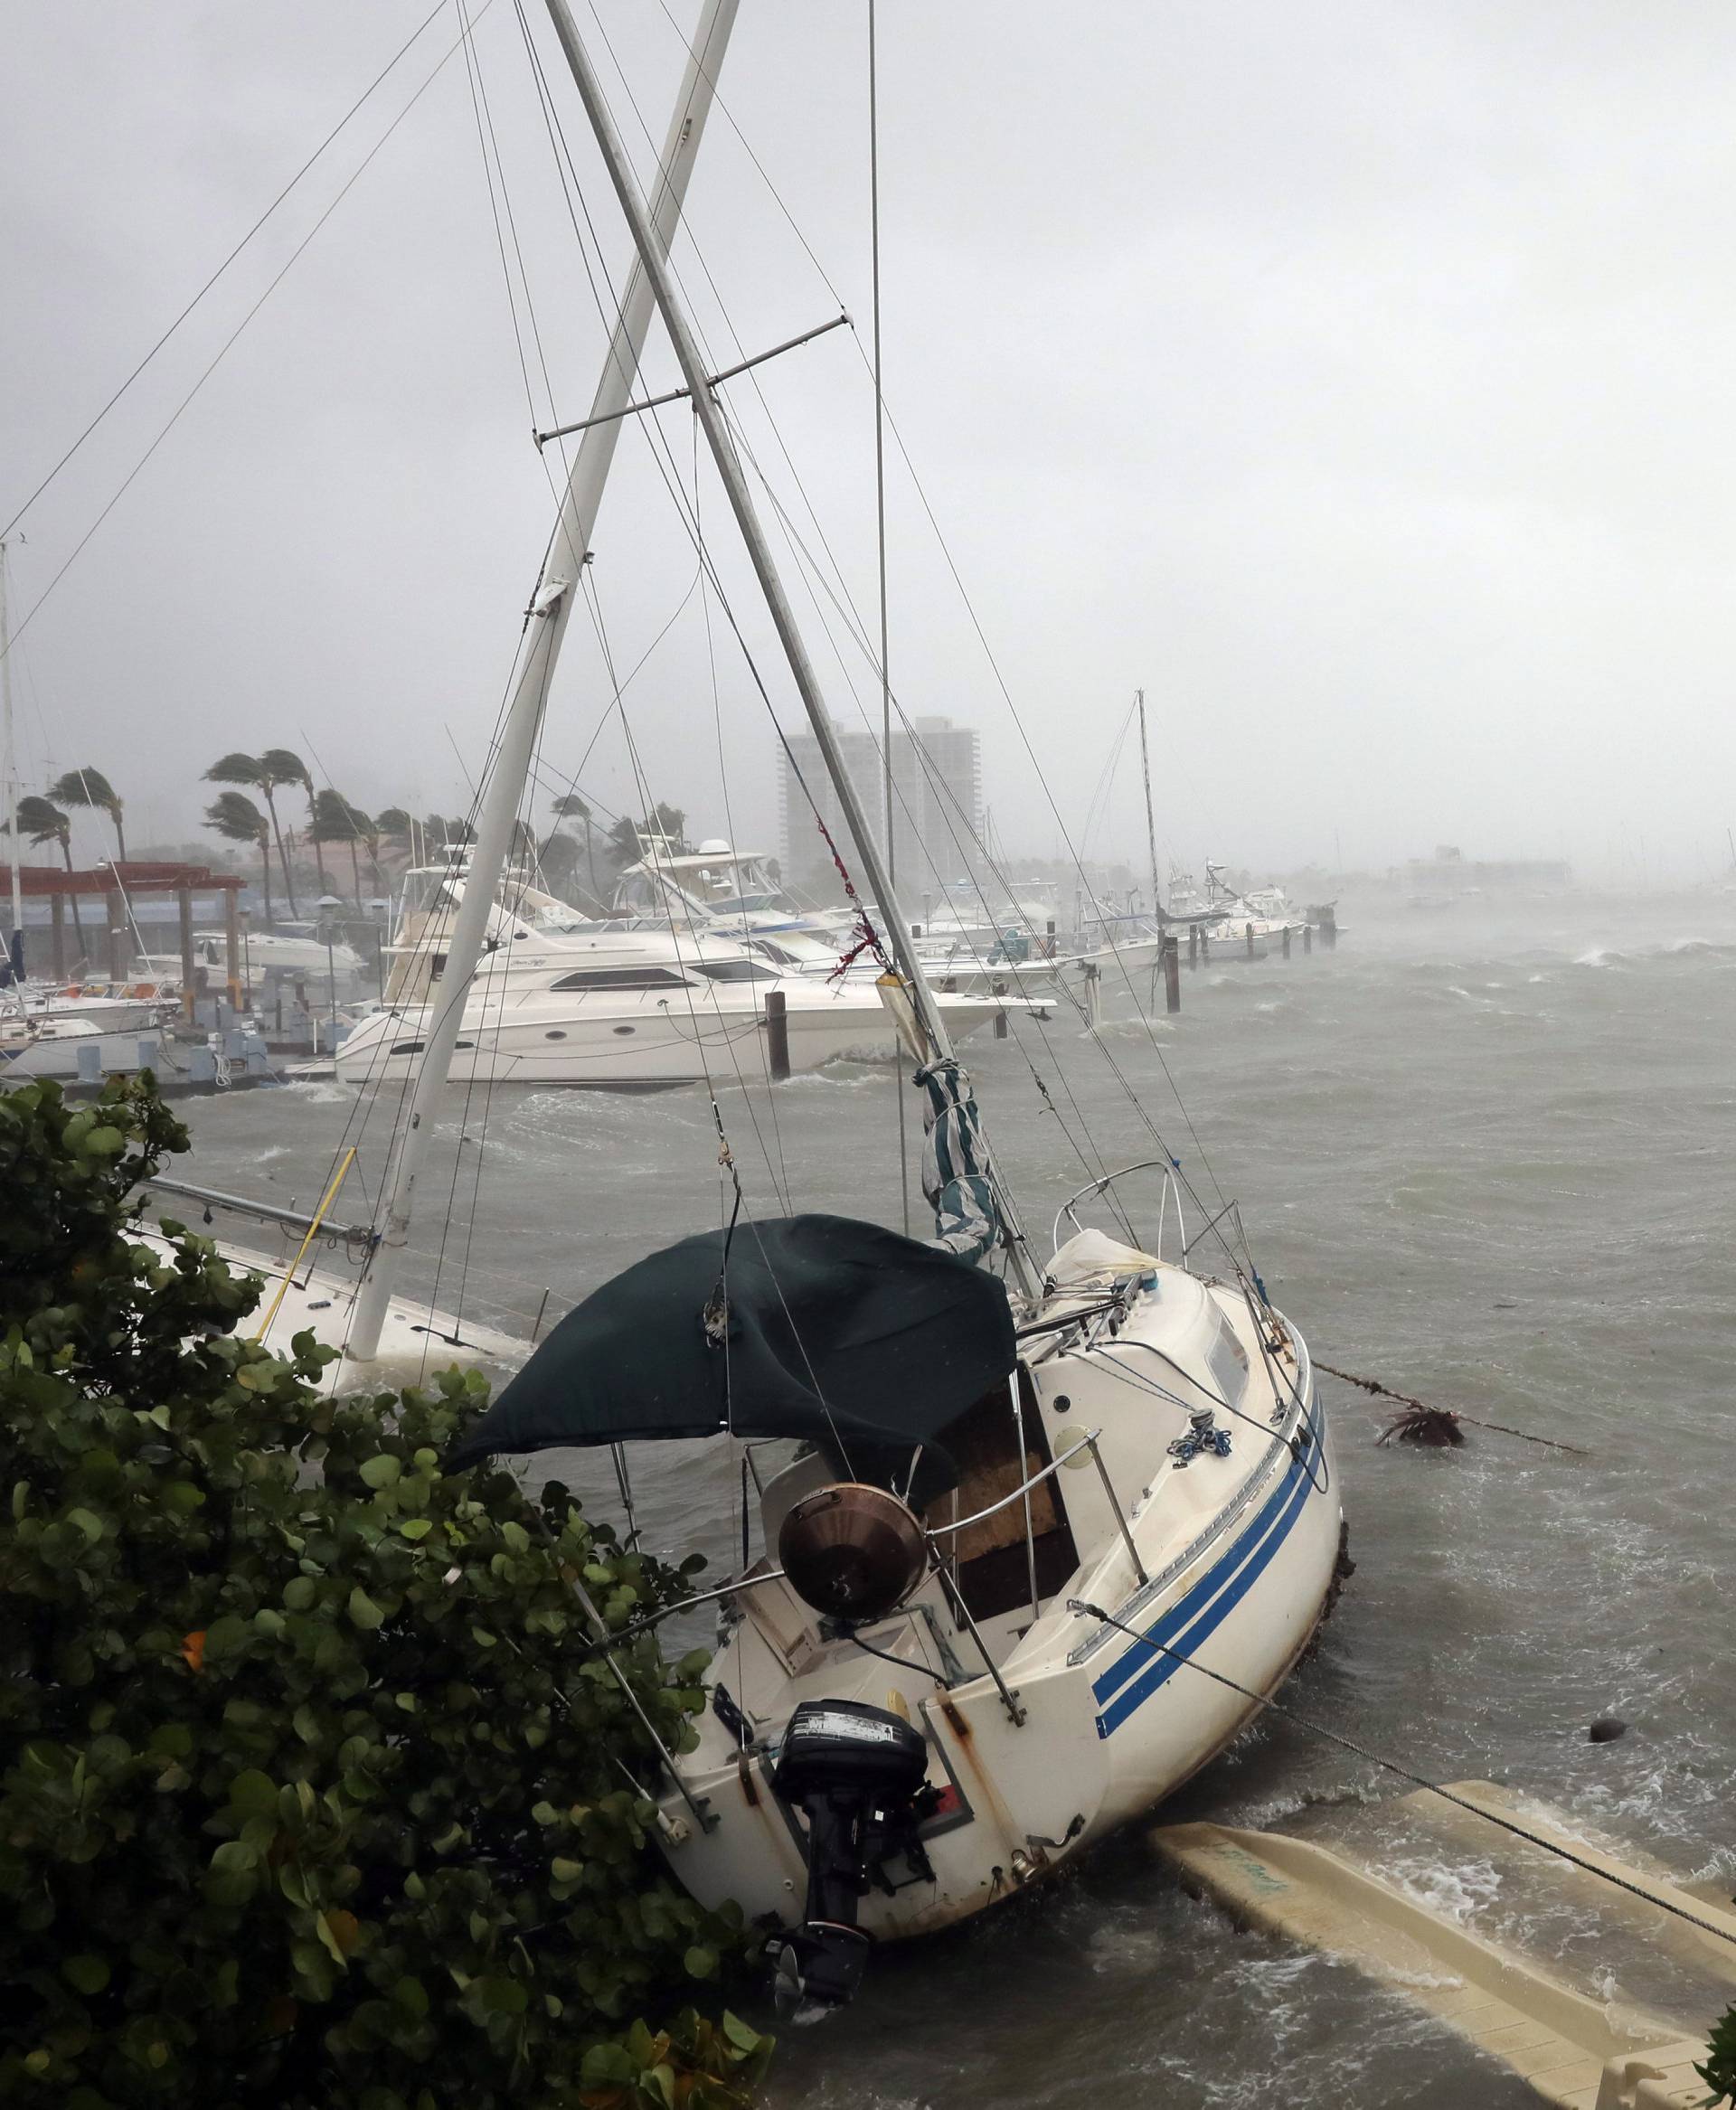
(956, 1165)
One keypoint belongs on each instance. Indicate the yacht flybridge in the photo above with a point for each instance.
(1051, 1527)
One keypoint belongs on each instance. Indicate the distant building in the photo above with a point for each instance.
(1450, 872)
(937, 804)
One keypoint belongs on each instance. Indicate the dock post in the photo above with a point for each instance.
(1193, 945)
(1049, 939)
(1286, 941)
(1329, 925)
(118, 948)
(1307, 937)
(1205, 947)
(778, 1034)
(57, 934)
(89, 1063)
(1250, 940)
(189, 983)
(1172, 976)
(233, 945)
(201, 1066)
(148, 1055)
(1093, 996)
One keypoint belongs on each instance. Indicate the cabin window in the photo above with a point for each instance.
(554, 1033)
(626, 1028)
(407, 1046)
(623, 978)
(735, 971)
(1227, 1362)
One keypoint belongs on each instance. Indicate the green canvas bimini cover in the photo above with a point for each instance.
(837, 1333)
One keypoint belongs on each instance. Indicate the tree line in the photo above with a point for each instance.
(576, 858)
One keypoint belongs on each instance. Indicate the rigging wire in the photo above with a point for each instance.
(1075, 854)
(223, 350)
(389, 64)
(880, 552)
(1404, 1772)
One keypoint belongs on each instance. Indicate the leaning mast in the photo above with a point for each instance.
(654, 261)
(9, 763)
(1151, 826)
(551, 609)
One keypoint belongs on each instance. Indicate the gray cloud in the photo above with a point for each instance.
(1351, 377)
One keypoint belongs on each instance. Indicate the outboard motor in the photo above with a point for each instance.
(854, 1772)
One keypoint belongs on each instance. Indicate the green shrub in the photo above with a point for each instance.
(316, 1790)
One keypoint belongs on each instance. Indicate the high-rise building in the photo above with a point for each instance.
(937, 804)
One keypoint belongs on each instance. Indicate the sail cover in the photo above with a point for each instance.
(955, 1165)
(826, 1329)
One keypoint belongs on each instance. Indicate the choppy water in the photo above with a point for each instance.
(1490, 1162)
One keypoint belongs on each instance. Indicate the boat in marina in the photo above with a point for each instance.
(1023, 1503)
(1049, 1524)
(557, 1000)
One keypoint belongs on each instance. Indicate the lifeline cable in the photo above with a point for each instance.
(1404, 1772)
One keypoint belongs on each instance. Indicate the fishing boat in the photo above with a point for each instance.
(1051, 1525)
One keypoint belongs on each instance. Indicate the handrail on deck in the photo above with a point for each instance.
(1091, 1187)
(1088, 1442)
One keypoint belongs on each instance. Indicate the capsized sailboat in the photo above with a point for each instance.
(918, 1707)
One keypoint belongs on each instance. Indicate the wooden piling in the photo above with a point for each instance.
(1286, 941)
(1329, 925)
(57, 934)
(1205, 947)
(1093, 996)
(1193, 945)
(119, 948)
(777, 1035)
(1172, 976)
(189, 981)
(1249, 931)
(233, 945)
(1307, 937)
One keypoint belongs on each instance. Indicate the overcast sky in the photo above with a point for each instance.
(1355, 378)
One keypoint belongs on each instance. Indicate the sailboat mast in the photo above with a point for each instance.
(706, 409)
(551, 609)
(10, 761)
(735, 485)
(1151, 826)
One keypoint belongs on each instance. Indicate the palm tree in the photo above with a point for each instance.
(569, 807)
(255, 770)
(336, 820)
(91, 787)
(39, 820)
(284, 765)
(235, 815)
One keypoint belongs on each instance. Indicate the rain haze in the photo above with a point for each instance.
(1352, 378)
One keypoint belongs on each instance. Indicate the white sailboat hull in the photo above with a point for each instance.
(1241, 1553)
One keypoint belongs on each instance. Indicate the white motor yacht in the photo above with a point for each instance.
(617, 1005)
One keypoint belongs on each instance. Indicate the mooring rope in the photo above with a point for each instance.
(1405, 1772)
(1404, 1400)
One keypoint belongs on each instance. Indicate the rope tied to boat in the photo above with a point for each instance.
(1401, 1423)
(1405, 1772)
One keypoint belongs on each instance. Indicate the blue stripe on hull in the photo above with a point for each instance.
(1141, 1672)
